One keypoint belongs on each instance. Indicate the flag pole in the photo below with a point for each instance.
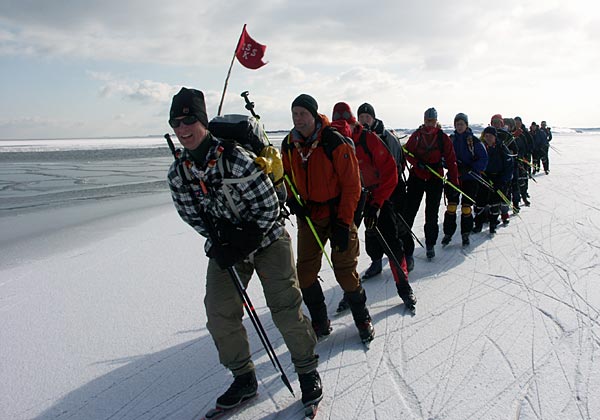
(229, 72)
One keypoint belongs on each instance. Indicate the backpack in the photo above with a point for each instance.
(247, 132)
(243, 129)
(440, 147)
(330, 140)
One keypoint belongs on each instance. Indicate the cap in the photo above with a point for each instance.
(431, 113)
(189, 102)
(463, 117)
(366, 109)
(307, 102)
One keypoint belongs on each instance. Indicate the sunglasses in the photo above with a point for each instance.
(189, 120)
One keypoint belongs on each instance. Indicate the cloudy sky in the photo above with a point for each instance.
(87, 68)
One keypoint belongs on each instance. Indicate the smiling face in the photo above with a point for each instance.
(303, 120)
(190, 136)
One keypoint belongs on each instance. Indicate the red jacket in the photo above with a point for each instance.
(424, 144)
(322, 179)
(377, 165)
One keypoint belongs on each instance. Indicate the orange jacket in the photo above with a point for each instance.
(321, 181)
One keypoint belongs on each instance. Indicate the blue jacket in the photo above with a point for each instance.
(500, 164)
(540, 140)
(470, 154)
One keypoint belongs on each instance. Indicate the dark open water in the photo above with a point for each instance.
(37, 180)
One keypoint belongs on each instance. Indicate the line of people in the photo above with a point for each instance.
(338, 174)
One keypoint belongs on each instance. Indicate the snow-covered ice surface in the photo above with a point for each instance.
(101, 317)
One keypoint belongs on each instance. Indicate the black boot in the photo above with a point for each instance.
(315, 302)
(430, 252)
(449, 227)
(374, 269)
(446, 240)
(465, 239)
(243, 387)
(342, 306)
(410, 263)
(362, 319)
(406, 294)
(310, 385)
(493, 222)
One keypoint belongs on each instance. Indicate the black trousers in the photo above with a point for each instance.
(415, 189)
(470, 187)
(398, 203)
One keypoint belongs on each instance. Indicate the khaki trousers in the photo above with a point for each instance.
(275, 268)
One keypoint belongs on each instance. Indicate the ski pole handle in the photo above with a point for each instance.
(176, 152)
(249, 104)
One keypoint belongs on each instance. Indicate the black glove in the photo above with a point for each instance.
(225, 255)
(296, 208)
(421, 165)
(234, 242)
(340, 236)
(371, 215)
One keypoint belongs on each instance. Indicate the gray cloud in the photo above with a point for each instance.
(402, 56)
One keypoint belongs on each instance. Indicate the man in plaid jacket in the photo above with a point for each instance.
(249, 237)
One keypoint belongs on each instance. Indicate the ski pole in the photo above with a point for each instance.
(210, 227)
(410, 230)
(250, 107)
(262, 334)
(525, 161)
(444, 180)
(389, 251)
(482, 181)
(493, 188)
(310, 223)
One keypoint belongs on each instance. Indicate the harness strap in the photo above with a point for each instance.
(231, 181)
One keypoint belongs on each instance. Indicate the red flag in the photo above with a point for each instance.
(249, 52)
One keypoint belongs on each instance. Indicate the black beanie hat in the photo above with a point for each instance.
(491, 130)
(189, 102)
(307, 102)
(366, 109)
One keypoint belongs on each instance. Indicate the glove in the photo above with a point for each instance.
(296, 208)
(371, 215)
(340, 236)
(225, 255)
(421, 165)
(234, 242)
